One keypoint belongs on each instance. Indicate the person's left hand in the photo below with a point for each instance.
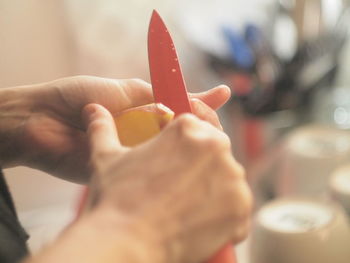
(48, 132)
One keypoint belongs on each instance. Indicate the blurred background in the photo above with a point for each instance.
(286, 62)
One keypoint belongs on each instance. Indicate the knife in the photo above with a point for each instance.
(169, 88)
(167, 80)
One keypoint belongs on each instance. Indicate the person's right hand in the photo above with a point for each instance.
(183, 187)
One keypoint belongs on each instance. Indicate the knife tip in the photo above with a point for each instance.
(155, 14)
(155, 21)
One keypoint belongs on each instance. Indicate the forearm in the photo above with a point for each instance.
(102, 237)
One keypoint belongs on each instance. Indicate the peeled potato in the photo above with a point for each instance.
(141, 123)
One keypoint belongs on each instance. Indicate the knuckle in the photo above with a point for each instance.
(214, 142)
(239, 170)
(80, 79)
(185, 120)
(211, 144)
(219, 142)
(240, 201)
(138, 81)
(238, 207)
(197, 133)
(246, 204)
(184, 125)
(225, 140)
(241, 232)
(201, 133)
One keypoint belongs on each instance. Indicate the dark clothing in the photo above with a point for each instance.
(12, 236)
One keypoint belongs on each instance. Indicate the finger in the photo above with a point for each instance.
(205, 113)
(115, 94)
(214, 98)
(123, 94)
(134, 93)
(101, 130)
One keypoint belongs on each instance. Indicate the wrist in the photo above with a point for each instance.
(14, 112)
(102, 236)
(129, 239)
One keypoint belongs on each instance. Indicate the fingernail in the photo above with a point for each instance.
(227, 88)
(91, 109)
(88, 113)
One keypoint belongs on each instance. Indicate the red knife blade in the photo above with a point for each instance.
(166, 76)
(169, 89)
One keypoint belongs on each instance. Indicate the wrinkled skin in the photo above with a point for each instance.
(46, 131)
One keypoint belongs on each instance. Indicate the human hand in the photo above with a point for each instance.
(41, 126)
(183, 186)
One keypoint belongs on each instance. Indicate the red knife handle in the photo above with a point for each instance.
(225, 255)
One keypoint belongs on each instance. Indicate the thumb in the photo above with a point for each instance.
(101, 130)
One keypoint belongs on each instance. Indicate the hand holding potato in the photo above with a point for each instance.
(192, 197)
